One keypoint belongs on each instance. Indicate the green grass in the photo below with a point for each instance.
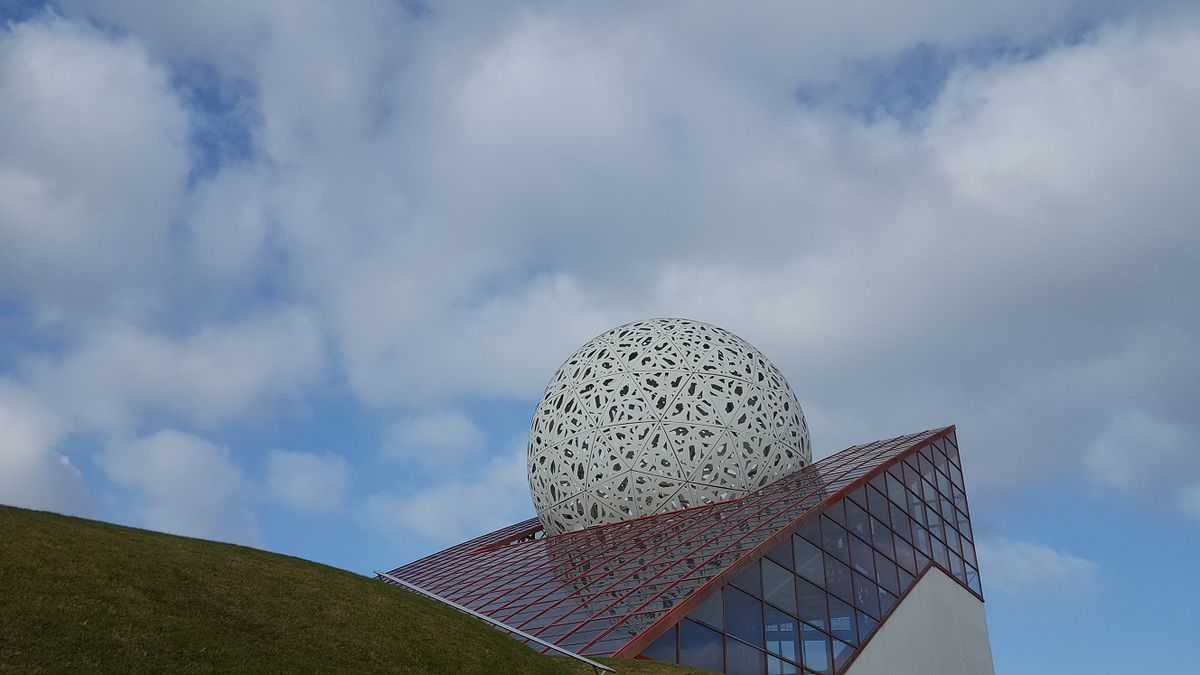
(83, 596)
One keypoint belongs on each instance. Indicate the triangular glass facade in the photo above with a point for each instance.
(792, 578)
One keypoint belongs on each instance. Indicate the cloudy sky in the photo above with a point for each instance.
(293, 274)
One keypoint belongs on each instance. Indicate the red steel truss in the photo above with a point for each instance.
(627, 588)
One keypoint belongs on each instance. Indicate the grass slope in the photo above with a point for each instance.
(80, 595)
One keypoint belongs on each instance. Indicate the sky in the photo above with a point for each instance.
(294, 274)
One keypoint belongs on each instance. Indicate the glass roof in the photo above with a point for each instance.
(594, 591)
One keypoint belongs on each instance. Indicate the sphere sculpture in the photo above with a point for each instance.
(656, 416)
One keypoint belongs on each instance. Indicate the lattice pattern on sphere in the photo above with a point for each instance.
(657, 416)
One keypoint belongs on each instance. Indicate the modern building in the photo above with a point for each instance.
(682, 519)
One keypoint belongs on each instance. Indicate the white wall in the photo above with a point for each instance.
(939, 629)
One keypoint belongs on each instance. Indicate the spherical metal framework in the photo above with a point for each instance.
(656, 416)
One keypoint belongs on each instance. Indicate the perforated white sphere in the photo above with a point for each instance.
(657, 416)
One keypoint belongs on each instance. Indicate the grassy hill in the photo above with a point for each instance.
(80, 595)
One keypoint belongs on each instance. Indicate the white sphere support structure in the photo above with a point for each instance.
(657, 416)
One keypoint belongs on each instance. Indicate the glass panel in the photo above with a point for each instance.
(663, 649)
(877, 504)
(916, 507)
(779, 586)
(812, 604)
(900, 522)
(841, 621)
(865, 625)
(939, 553)
(886, 602)
(857, 520)
(782, 554)
(709, 611)
(859, 495)
(866, 595)
(742, 658)
(921, 540)
(837, 578)
(810, 529)
(896, 490)
(778, 667)
(743, 616)
(808, 560)
(700, 647)
(833, 539)
(968, 550)
(885, 573)
(783, 634)
(905, 555)
(973, 580)
(912, 479)
(816, 652)
(956, 568)
(841, 654)
(906, 580)
(881, 536)
(862, 556)
(837, 512)
(749, 581)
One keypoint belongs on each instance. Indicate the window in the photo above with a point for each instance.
(742, 658)
(842, 621)
(743, 616)
(709, 611)
(862, 557)
(808, 560)
(779, 586)
(749, 581)
(837, 578)
(812, 604)
(833, 539)
(816, 652)
(663, 649)
(700, 646)
(783, 634)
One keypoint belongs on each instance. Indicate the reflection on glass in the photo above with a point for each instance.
(808, 560)
(709, 611)
(842, 622)
(812, 604)
(782, 634)
(816, 652)
(777, 667)
(743, 616)
(742, 658)
(779, 586)
(700, 646)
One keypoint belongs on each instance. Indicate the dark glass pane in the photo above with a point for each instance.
(957, 569)
(948, 510)
(742, 658)
(775, 666)
(837, 578)
(900, 522)
(782, 554)
(877, 504)
(783, 634)
(859, 495)
(964, 527)
(837, 512)
(916, 507)
(749, 581)
(951, 538)
(912, 479)
(906, 580)
(743, 616)
(865, 625)
(663, 649)
(895, 490)
(779, 586)
(885, 573)
(921, 540)
(810, 529)
(808, 560)
(939, 553)
(841, 655)
(881, 536)
(926, 468)
(973, 580)
(812, 604)
(816, 653)
(862, 556)
(700, 647)
(841, 621)
(833, 539)
(939, 460)
(857, 520)
(968, 550)
(922, 561)
(866, 595)
(956, 477)
(709, 611)
(886, 602)
(905, 555)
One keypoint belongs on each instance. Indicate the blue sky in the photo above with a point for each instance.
(294, 274)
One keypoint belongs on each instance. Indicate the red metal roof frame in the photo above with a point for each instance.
(675, 614)
(507, 575)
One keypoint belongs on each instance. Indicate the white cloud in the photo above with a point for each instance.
(219, 374)
(1018, 567)
(34, 475)
(307, 481)
(187, 486)
(93, 169)
(460, 508)
(437, 438)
